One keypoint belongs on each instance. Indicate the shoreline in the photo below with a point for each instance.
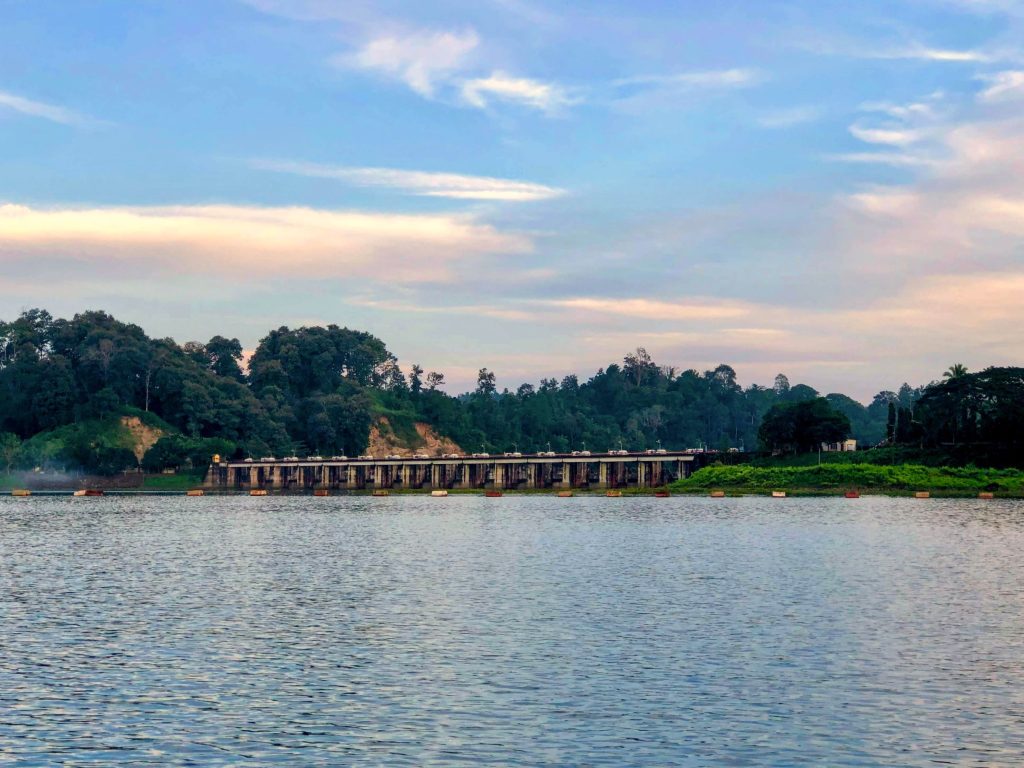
(624, 493)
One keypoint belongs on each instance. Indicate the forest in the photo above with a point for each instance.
(318, 390)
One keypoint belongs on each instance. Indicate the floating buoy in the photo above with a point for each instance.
(439, 494)
(613, 494)
(321, 492)
(21, 492)
(194, 492)
(718, 494)
(986, 495)
(852, 495)
(922, 495)
(778, 494)
(258, 492)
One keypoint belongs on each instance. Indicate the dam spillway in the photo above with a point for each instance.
(598, 471)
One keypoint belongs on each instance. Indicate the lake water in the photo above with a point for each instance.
(515, 631)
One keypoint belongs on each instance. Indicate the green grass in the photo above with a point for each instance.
(839, 477)
(182, 481)
(881, 456)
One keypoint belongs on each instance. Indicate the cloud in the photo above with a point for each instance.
(41, 110)
(714, 78)
(476, 310)
(420, 59)
(1003, 86)
(424, 183)
(652, 309)
(924, 53)
(896, 159)
(913, 110)
(903, 51)
(547, 97)
(249, 243)
(896, 136)
(787, 118)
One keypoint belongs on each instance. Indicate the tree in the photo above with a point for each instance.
(781, 386)
(485, 382)
(225, 356)
(10, 450)
(955, 371)
(803, 426)
(416, 379)
(435, 380)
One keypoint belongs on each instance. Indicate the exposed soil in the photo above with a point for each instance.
(383, 441)
(144, 437)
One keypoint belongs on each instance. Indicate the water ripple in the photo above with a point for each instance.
(513, 631)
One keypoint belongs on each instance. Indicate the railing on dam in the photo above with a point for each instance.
(510, 471)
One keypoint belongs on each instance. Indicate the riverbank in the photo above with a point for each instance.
(126, 482)
(831, 479)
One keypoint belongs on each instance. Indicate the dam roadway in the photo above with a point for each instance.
(649, 469)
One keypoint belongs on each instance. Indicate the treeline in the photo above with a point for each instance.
(318, 390)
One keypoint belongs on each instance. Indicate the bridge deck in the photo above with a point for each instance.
(597, 470)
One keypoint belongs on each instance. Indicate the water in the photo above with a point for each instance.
(515, 631)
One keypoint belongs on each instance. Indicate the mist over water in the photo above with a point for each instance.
(516, 631)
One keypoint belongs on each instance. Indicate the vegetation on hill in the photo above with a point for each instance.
(66, 386)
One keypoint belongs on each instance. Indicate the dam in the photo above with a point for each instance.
(578, 470)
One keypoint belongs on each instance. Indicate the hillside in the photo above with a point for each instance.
(385, 441)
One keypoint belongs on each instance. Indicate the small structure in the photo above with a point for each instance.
(843, 447)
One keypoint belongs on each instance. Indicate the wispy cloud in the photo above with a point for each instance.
(787, 118)
(249, 242)
(425, 183)
(924, 53)
(905, 51)
(895, 136)
(476, 310)
(712, 78)
(897, 159)
(1003, 86)
(653, 309)
(420, 59)
(499, 86)
(31, 108)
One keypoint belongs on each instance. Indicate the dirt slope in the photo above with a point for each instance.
(384, 442)
(143, 437)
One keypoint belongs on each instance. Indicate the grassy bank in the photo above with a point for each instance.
(867, 478)
(182, 481)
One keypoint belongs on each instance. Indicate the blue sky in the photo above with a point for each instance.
(828, 189)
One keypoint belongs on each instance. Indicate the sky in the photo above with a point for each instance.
(827, 189)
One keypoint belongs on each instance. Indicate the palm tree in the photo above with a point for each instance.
(956, 371)
(955, 375)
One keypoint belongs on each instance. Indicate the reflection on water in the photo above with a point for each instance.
(523, 631)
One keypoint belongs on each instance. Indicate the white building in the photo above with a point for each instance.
(846, 445)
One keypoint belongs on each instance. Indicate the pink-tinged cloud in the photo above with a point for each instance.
(254, 243)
